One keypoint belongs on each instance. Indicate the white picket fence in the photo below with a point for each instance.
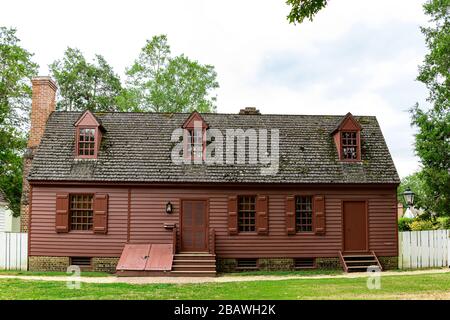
(13, 251)
(423, 249)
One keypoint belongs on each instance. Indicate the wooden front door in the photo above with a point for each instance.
(194, 226)
(355, 226)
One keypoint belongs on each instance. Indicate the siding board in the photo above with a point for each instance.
(147, 216)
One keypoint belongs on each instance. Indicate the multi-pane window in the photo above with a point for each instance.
(81, 211)
(247, 213)
(303, 213)
(86, 142)
(349, 146)
(195, 143)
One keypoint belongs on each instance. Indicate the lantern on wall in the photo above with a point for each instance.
(169, 207)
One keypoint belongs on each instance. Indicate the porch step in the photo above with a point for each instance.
(194, 256)
(189, 261)
(194, 264)
(358, 262)
(194, 268)
(193, 273)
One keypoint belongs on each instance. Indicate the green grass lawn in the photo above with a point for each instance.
(431, 286)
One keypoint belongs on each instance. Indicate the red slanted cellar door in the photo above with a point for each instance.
(194, 226)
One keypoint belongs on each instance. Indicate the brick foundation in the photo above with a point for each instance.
(108, 264)
(226, 265)
(328, 263)
(42, 263)
(276, 264)
(388, 263)
(101, 264)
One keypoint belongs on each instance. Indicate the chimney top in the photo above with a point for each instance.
(44, 80)
(249, 110)
(43, 101)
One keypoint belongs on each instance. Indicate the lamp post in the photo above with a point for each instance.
(409, 197)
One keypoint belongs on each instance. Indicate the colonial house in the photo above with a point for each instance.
(147, 194)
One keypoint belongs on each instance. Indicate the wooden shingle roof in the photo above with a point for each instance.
(137, 148)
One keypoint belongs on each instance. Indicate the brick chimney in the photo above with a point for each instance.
(249, 110)
(43, 102)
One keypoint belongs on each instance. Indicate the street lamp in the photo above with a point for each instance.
(409, 197)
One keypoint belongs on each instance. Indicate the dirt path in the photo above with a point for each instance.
(219, 279)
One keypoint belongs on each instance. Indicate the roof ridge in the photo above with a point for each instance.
(212, 113)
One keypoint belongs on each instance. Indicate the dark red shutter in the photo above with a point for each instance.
(290, 215)
(232, 215)
(100, 213)
(262, 218)
(319, 215)
(62, 212)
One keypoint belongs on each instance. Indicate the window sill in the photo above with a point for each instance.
(81, 231)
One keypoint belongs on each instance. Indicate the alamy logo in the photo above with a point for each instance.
(227, 147)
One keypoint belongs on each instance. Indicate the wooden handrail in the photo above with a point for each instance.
(344, 265)
(378, 261)
(212, 241)
(174, 240)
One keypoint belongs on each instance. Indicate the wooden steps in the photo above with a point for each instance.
(358, 262)
(190, 264)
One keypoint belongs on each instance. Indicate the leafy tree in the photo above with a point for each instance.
(16, 71)
(83, 85)
(12, 144)
(304, 9)
(161, 83)
(432, 142)
(417, 185)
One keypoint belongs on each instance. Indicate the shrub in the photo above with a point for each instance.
(404, 224)
(419, 225)
(443, 222)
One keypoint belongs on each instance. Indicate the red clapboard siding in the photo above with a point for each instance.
(148, 216)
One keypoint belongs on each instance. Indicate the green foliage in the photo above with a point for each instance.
(419, 225)
(432, 143)
(304, 9)
(404, 224)
(161, 83)
(443, 223)
(16, 71)
(83, 85)
(417, 185)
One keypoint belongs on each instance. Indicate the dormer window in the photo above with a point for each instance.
(88, 134)
(195, 137)
(347, 138)
(349, 145)
(195, 143)
(86, 142)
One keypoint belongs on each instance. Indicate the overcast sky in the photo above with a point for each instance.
(357, 55)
